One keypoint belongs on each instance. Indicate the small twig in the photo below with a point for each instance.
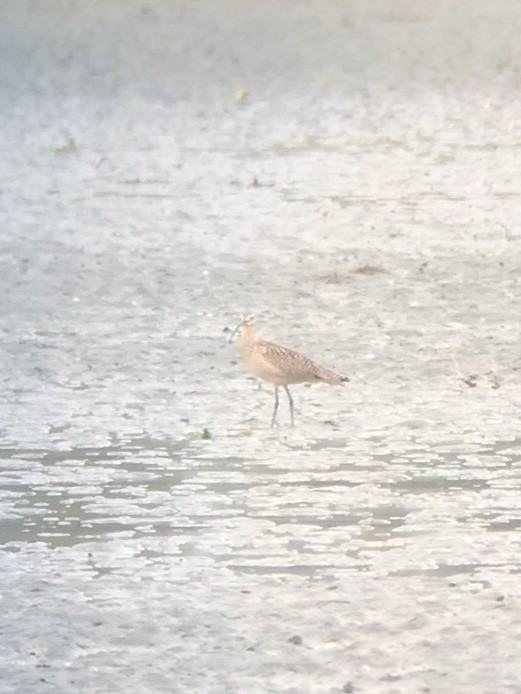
(471, 379)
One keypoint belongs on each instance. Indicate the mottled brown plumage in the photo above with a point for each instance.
(279, 365)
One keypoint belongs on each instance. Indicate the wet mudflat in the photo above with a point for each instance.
(349, 175)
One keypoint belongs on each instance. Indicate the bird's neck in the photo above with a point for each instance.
(248, 336)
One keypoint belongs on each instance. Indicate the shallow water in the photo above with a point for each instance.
(362, 200)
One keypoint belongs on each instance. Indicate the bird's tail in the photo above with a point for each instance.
(331, 377)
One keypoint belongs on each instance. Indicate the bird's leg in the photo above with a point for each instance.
(275, 407)
(290, 405)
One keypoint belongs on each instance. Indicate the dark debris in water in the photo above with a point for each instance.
(205, 434)
(296, 640)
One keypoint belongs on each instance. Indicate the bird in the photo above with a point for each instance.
(279, 366)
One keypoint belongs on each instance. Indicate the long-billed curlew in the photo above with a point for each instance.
(278, 365)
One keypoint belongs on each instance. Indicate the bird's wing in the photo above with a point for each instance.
(295, 366)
